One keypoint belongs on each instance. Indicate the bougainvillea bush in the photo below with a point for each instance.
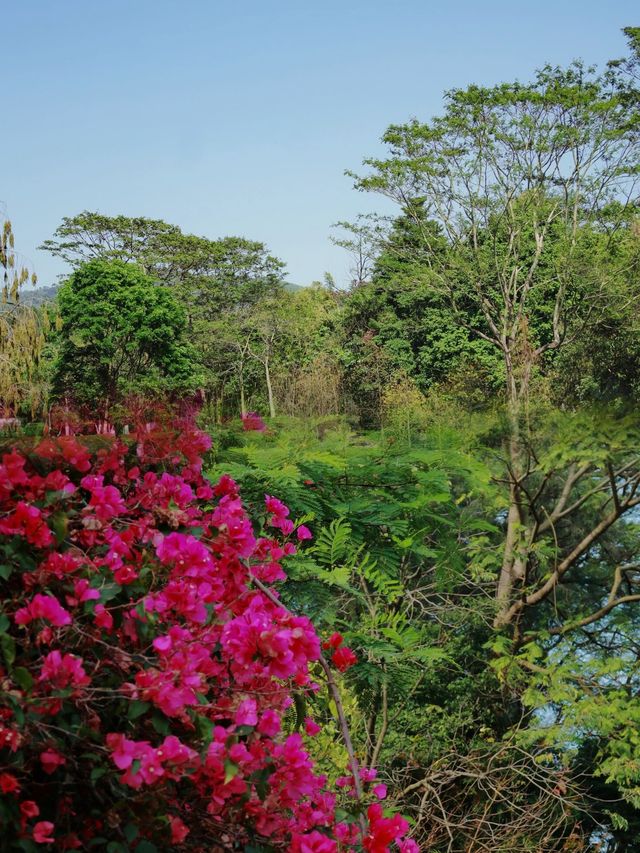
(148, 671)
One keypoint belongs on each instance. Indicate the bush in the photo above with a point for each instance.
(148, 665)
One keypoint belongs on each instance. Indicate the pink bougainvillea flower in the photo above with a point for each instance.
(42, 832)
(60, 671)
(344, 658)
(380, 791)
(407, 846)
(179, 830)
(313, 842)
(311, 727)
(383, 831)
(12, 473)
(253, 421)
(106, 501)
(334, 641)
(43, 607)
(74, 453)
(8, 783)
(303, 533)
(82, 592)
(269, 723)
(27, 521)
(59, 565)
(51, 760)
(102, 617)
(247, 714)
(29, 809)
(123, 750)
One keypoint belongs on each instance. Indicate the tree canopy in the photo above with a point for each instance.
(120, 334)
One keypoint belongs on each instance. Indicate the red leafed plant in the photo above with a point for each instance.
(148, 664)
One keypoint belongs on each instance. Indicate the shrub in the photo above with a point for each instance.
(148, 664)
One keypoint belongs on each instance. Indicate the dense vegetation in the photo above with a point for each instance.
(459, 431)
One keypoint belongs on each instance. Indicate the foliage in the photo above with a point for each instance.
(213, 273)
(401, 310)
(23, 332)
(480, 552)
(409, 540)
(120, 334)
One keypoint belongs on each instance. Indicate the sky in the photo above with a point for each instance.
(240, 118)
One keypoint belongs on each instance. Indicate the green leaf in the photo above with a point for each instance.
(5, 571)
(231, 770)
(205, 728)
(22, 677)
(8, 646)
(146, 847)
(161, 724)
(59, 523)
(137, 708)
(98, 773)
(109, 591)
(130, 832)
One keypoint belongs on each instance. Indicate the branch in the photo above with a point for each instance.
(598, 614)
(333, 692)
(558, 510)
(580, 549)
(383, 727)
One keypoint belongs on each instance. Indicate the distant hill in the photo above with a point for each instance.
(38, 295)
(41, 295)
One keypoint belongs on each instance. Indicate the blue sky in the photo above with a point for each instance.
(241, 117)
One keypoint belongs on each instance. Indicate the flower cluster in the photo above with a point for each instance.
(253, 422)
(343, 657)
(148, 665)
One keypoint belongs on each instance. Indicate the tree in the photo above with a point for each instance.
(533, 188)
(400, 316)
(308, 373)
(215, 281)
(210, 275)
(362, 239)
(22, 335)
(120, 334)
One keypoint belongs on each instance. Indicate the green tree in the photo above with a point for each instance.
(399, 318)
(210, 275)
(23, 331)
(215, 281)
(528, 237)
(532, 188)
(120, 334)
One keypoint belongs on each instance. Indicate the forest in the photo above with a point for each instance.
(319, 569)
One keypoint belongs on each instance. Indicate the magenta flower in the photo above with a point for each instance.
(253, 422)
(42, 832)
(43, 607)
(344, 658)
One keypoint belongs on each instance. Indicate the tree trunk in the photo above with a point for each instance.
(243, 405)
(515, 558)
(267, 376)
